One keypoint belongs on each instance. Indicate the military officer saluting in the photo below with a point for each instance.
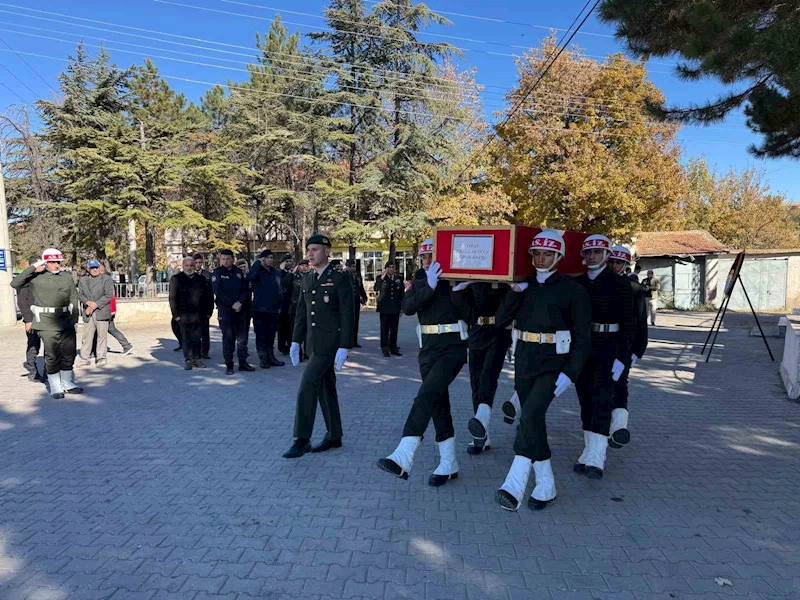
(390, 289)
(324, 321)
(55, 311)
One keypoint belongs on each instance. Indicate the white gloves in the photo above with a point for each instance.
(338, 361)
(294, 354)
(39, 263)
(519, 287)
(616, 370)
(461, 286)
(434, 271)
(634, 360)
(562, 384)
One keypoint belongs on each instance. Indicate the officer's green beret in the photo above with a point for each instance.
(317, 238)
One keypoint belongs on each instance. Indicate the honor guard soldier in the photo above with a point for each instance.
(55, 314)
(390, 288)
(231, 290)
(324, 321)
(488, 345)
(551, 342)
(620, 260)
(442, 333)
(613, 330)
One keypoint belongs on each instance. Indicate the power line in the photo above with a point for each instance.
(22, 83)
(29, 66)
(13, 92)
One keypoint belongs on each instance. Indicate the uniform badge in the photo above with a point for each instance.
(213, 278)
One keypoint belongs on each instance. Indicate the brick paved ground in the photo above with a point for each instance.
(164, 484)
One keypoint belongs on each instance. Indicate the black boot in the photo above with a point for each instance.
(229, 369)
(244, 366)
(386, 352)
(298, 449)
(272, 360)
(396, 351)
(326, 444)
(188, 365)
(264, 363)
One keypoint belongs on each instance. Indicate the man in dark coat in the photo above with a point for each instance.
(205, 327)
(297, 288)
(190, 296)
(390, 288)
(24, 302)
(231, 291)
(359, 296)
(266, 282)
(286, 270)
(325, 321)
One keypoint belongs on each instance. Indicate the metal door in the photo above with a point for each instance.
(688, 285)
(765, 280)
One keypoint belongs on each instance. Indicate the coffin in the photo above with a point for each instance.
(497, 252)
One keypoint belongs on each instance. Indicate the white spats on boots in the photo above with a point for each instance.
(479, 424)
(582, 458)
(56, 387)
(399, 462)
(511, 409)
(593, 459)
(68, 381)
(474, 449)
(544, 492)
(448, 465)
(513, 488)
(619, 428)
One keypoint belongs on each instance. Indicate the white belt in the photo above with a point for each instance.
(38, 310)
(460, 328)
(605, 327)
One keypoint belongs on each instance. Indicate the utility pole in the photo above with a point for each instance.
(8, 311)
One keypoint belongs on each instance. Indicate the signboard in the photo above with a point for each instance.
(733, 274)
(472, 252)
(3, 265)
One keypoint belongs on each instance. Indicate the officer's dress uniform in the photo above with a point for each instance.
(443, 331)
(391, 292)
(619, 413)
(230, 286)
(55, 307)
(324, 322)
(613, 330)
(488, 345)
(34, 342)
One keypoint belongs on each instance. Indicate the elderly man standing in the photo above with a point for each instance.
(95, 291)
(651, 286)
(189, 300)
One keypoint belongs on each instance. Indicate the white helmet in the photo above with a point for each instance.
(52, 255)
(621, 253)
(551, 240)
(597, 241)
(426, 247)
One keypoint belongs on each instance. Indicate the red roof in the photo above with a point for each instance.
(677, 243)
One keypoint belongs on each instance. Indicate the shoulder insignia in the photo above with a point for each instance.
(213, 278)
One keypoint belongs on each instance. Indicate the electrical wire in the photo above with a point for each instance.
(22, 83)
(13, 92)
(39, 75)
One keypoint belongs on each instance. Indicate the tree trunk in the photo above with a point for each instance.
(392, 247)
(134, 261)
(149, 251)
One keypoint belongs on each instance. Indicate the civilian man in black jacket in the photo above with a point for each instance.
(286, 270)
(24, 301)
(620, 259)
(189, 300)
(231, 292)
(359, 296)
(297, 288)
(267, 299)
(205, 342)
(390, 289)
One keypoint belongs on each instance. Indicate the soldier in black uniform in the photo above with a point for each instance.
(359, 296)
(442, 333)
(487, 354)
(551, 344)
(390, 288)
(205, 327)
(297, 288)
(324, 320)
(618, 262)
(613, 330)
(24, 302)
(231, 290)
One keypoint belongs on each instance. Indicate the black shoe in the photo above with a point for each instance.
(298, 449)
(264, 364)
(75, 390)
(275, 362)
(58, 396)
(229, 369)
(178, 349)
(188, 365)
(594, 473)
(506, 500)
(388, 465)
(437, 480)
(199, 364)
(356, 345)
(509, 412)
(246, 367)
(305, 356)
(385, 352)
(474, 449)
(396, 352)
(205, 356)
(327, 444)
(619, 438)
(579, 468)
(33, 375)
(535, 504)
(477, 429)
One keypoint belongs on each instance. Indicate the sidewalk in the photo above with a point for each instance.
(160, 483)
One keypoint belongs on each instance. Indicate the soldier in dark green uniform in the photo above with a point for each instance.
(324, 319)
(390, 289)
(55, 311)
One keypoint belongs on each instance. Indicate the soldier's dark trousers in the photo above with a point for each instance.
(284, 332)
(205, 336)
(356, 319)
(318, 382)
(191, 334)
(265, 325)
(176, 331)
(59, 350)
(32, 350)
(235, 329)
(621, 392)
(596, 388)
(535, 396)
(433, 398)
(485, 366)
(389, 325)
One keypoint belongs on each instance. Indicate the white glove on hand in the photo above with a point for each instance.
(562, 384)
(294, 354)
(433, 274)
(39, 263)
(519, 287)
(338, 361)
(634, 360)
(461, 286)
(616, 370)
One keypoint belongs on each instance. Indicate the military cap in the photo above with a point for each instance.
(317, 238)
(199, 256)
(350, 262)
(389, 264)
(226, 252)
(303, 262)
(265, 253)
(286, 257)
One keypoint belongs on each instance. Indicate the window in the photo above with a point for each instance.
(372, 264)
(406, 265)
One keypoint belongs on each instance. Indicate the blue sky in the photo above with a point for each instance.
(524, 23)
